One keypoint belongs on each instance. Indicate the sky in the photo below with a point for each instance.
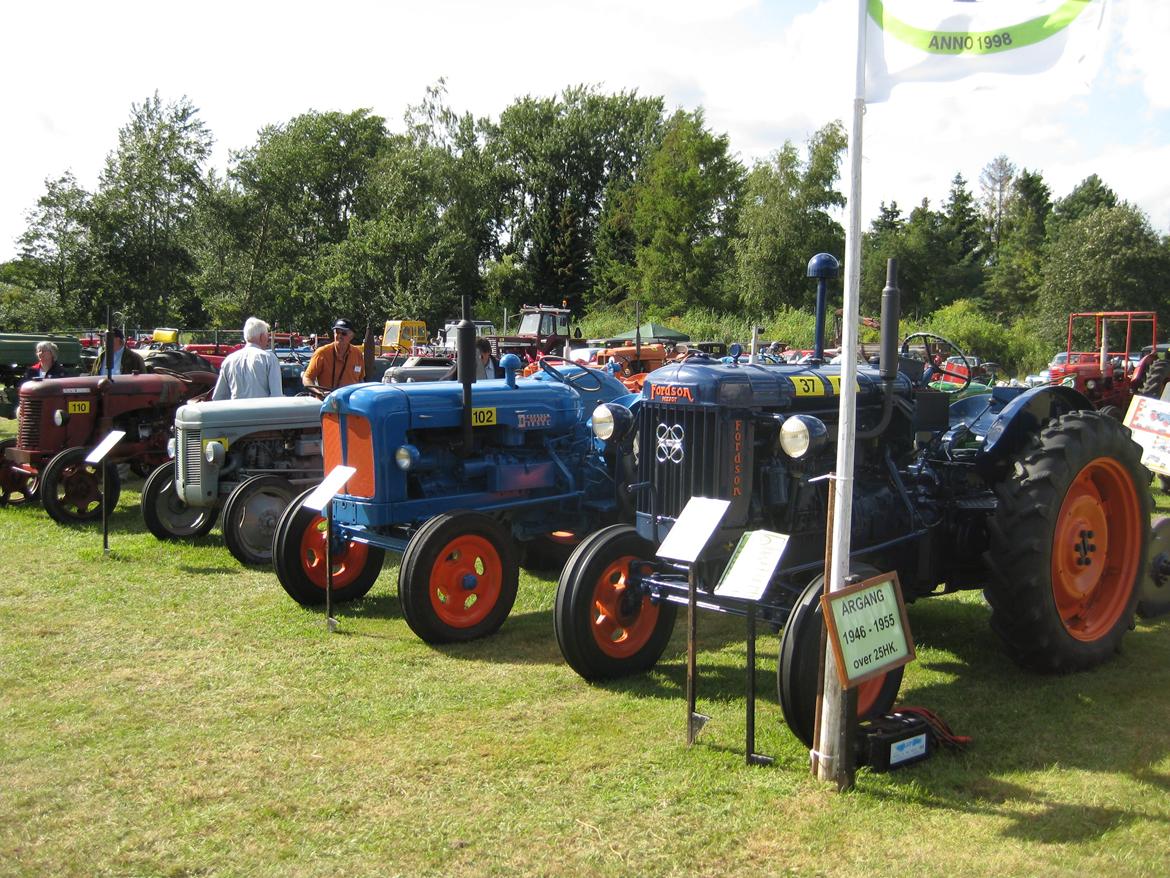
(764, 72)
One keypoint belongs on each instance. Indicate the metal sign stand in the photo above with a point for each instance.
(749, 748)
(695, 720)
(321, 500)
(98, 455)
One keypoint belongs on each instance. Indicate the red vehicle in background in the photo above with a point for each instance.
(1107, 373)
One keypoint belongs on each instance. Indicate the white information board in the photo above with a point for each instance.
(103, 448)
(1149, 421)
(699, 519)
(752, 564)
(329, 487)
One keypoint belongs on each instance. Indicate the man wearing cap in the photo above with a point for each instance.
(253, 371)
(123, 361)
(338, 363)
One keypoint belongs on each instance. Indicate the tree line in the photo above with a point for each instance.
(590, 198)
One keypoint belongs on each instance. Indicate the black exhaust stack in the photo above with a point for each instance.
(465, 360)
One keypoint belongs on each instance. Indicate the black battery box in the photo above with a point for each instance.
(894, 741)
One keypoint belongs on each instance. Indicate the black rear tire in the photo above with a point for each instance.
(800, 659)
(1157, 373)
(605, 628)
(1069, 543)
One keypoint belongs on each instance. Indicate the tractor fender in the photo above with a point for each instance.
(1025, 416)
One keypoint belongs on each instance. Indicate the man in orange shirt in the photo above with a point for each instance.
(338, 363)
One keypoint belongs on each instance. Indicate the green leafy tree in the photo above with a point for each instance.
(143, 210)
(685, 219)
(1013, 279)
(785, 220)
(1110, 259)
(1088, 195)
(55, 247)
(961, 268)
(557, 160)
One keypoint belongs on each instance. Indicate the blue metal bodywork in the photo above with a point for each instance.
(534, 454)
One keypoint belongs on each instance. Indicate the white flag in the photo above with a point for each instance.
(947, 40)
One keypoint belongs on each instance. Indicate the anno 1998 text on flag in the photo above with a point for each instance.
(981, 41)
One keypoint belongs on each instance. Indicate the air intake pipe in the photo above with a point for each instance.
(888, 353)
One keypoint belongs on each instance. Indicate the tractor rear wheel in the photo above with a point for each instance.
(166, 514)
(16, 486)
(71, 489)
(1157, 374)
(800, 661)
(605, 627)
(458, 578)
(1069, 544)
(298, 554)
(250, 515)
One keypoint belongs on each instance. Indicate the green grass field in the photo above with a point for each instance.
(166, 712)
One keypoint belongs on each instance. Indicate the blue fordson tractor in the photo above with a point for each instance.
(1032, 496)
(463, 479)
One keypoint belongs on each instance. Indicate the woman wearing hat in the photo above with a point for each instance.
(338, 363)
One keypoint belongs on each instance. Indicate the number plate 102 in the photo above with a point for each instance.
(485, 417)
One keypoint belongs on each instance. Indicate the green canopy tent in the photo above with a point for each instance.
(652, 332)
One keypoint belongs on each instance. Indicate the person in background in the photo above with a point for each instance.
(338, 363)
(251, 372)
(486, 366)
(123, 361)
(46, 365)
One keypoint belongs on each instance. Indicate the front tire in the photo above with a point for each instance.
(1069, 544)
(165, 513)
(605, 627)
(71, 489)
(298, 555)
(251, 514)
(798, 670)
(459, 577)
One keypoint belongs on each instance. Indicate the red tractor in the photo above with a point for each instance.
(62, 419)
(544, 329)
(1110, 374)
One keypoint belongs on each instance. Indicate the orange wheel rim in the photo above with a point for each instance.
(621, 623)
(348, 561)
(1095, 549)
(465, 581)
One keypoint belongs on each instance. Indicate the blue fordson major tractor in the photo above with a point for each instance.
(462, 478)
(1032, 496)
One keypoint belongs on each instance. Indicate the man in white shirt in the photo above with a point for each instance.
(251, 372)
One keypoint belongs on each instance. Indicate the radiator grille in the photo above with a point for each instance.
(29, 435)
(189, 449)
(682, 452)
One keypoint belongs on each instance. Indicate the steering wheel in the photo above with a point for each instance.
(577, 379)
(314, 390)
(927, 338)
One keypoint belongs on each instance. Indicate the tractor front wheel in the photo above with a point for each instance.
(165, 513)
(605, 626)
(250, 516)
(800, 659)
(458, 578)
(71, 489)
(298, 554)
(1069, 543)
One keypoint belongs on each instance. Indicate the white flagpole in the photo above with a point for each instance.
(830, 760)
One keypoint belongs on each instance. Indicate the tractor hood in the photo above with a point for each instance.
(167, 388)
(702, 381)
(275, 413)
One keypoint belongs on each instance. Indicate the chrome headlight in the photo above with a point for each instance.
(172, 448)
(59, 417)
(214, 453)
(1091, 384)
(611, 422)
(406, 457)
(802, 435)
